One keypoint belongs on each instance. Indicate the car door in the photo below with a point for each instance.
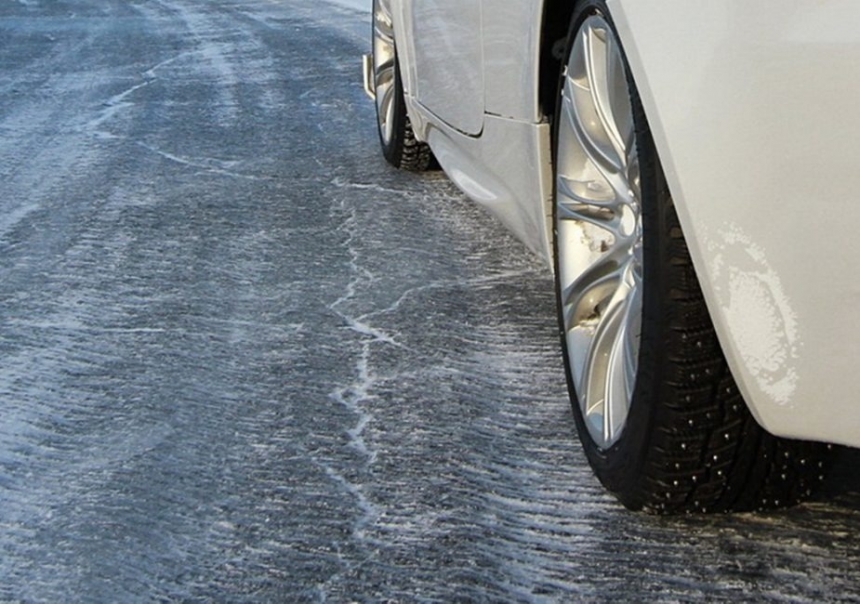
(447, 47)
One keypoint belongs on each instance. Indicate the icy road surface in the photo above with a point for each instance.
(243, 360)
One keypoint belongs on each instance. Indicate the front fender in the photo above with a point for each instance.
(753, 111)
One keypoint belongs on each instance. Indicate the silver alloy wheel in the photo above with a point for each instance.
(384, 68)
(599, 230)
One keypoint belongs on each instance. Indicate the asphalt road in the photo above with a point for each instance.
(243, 360)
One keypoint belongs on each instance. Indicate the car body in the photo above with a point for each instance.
(752, 109)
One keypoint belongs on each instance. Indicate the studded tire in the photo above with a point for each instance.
(688, 443)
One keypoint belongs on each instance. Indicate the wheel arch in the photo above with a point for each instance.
(554, 30)
(555, 26)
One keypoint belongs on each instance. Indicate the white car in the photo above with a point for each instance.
(689, 170)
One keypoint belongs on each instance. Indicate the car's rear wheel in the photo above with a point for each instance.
(659, 415)
(399, 146)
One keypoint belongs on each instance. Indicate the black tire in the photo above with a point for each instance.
(689, 444)
(399, 146)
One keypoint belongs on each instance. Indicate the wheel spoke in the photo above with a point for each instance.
(582, 117)
(633, 172)
(385, 99)
(605, 161)
(384, 33)
(585, 213)
(587, 193)
(598, 68)
(592, 287)
(385, 69)
(608, 85)
(382, 22)
(603, 386)
(632, 335)
(572, 205)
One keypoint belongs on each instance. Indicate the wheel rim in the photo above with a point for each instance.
(599, 230)
(384, 68)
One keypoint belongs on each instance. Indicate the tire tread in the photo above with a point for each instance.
(414, 155)
(709, 454)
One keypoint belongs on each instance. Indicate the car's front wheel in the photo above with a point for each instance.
(660, 417)
(399, 146)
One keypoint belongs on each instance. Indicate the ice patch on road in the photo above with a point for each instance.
(112, 107)
(362, 5)
(10, 219)
(207, 164)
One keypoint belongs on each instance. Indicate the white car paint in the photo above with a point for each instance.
(753, 111)
(508, 167)
(754, 114)
(510, 45)
(445, 31)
